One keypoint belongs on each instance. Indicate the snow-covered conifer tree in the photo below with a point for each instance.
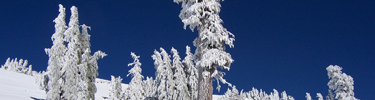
(135, 88)
(164, 75)
(160, 80)
(320, 97)
(180, 79)
(210, 54)
(330, 95)
(150, 89)
(30, 70)
(308, 97)
(340, 83)
(170, 83)
(254, 94)
(192, 74)
(56, 54)
(6, 64)
(89, 65)
(71, 70)
(232, 94)
(274, 95)
(115, 89)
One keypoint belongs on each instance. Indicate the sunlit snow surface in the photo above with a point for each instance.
(16, 86)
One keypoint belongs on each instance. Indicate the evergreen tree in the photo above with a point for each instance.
(115, 89)
(180, 79)
(150, 88)
(170, 83)
(56, 54)
(320, 97)
(308, 97)
(71, 70)
(192, 74)
(135, 88)
(210, 54)
(340, 83)
(161, 77)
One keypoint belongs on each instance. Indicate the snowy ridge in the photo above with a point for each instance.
(17, 86)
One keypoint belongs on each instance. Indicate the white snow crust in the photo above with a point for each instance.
(17, 86)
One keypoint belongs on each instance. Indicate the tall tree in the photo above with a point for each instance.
(160, 74)
(170, 83)
(181, 82)
(56, 57)
(72, 70)
(210, 43)
(135, 88)
(192, 74)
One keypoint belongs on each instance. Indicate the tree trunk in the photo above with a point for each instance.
(205, 84)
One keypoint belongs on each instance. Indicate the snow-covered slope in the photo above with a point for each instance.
(17, 86)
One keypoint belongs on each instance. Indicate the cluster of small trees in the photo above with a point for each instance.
(18, 66)
(175, 79)
(341, 83)
(71, 70)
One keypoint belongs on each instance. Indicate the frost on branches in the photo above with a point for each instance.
(192, 74)
(71, 70)
(181, 87)
(115, 89)
(18, 66)
(254, 94)
(210, 43)
(135, 90)
(340, 83)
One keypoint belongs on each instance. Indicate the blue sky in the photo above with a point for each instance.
(283, 45)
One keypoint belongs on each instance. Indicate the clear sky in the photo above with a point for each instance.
(283, 45)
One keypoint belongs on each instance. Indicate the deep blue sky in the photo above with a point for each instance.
(283, 45)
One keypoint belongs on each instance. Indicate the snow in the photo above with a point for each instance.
(17, 86)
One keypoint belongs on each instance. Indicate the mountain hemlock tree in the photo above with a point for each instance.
(160, 76)
(340, 83)
(115, 89)
(192, 74)
(170, 83)
(180, 79)
(56, 60)
(210, 43)
(71, 70)
(135, 88)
